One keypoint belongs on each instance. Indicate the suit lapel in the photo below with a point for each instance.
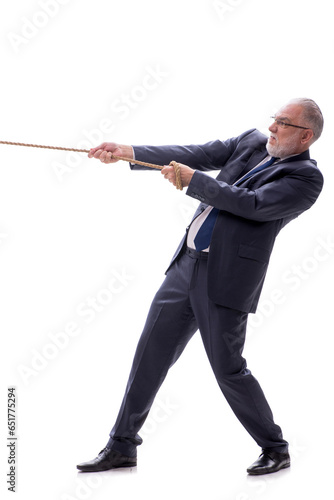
(257, 157)
(260, 155)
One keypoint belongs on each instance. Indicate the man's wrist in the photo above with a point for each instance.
(128, 152)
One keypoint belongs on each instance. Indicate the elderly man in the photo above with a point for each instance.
(216, 275)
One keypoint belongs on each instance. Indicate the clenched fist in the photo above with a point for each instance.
(186, 174)
(104, 152)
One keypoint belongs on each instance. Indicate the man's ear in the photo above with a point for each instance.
(307, 136)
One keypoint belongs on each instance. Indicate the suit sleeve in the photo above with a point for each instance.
(210, 156)
(287, 196)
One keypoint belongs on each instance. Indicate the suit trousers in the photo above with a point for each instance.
(180, 308)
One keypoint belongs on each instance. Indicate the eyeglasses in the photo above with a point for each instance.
(282, 124)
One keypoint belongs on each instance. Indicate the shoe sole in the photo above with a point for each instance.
(92, 469)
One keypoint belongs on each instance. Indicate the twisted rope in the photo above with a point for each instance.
(137, 162)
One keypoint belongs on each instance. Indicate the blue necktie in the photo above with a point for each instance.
(203, 237)
(255, 170)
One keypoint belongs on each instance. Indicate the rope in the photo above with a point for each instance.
(137, 162)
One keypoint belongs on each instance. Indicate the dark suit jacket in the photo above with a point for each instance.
(251, 215)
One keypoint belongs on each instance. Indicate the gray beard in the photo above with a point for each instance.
(278, 151)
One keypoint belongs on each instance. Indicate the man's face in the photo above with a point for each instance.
(287, 141)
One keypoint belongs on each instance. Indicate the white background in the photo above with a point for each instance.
(148, 72)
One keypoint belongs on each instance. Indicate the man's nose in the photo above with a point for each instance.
(273, 127)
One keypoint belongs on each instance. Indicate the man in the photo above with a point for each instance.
(217, 273)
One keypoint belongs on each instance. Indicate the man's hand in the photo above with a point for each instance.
(186, 174)
(104, 152)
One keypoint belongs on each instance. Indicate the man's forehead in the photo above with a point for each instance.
(289, 111)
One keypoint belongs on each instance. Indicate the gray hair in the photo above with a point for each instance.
(312, 115)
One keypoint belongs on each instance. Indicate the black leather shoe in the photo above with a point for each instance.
(269, 461)
(107, 459)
